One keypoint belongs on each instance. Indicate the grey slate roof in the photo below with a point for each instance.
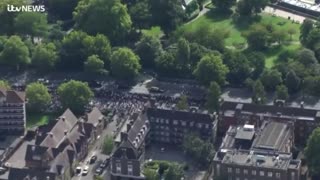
(21, 174)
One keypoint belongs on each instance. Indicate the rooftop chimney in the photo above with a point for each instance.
(65, 132)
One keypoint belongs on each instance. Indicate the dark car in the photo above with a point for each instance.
(105, 163)
(93, 159)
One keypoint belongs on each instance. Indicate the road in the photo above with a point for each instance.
(96, 150)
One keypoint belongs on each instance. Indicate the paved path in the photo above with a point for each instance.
(284, 14)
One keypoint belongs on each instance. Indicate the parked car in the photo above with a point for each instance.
(85, 171)
(93, 159)
(78, 170)
(105, 163)
(99, 171)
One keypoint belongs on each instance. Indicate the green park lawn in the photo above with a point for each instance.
(215, 20)
(38, 119)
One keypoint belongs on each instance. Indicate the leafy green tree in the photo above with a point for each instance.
(74, 95)
(312, 152)
(307, 57)
(292, 82)
(223, 5)
(15, 52)
(174, 172)
(106, 17)
(140, 14)
(125, 64)
(45, 57)
(311, 85)
(291, 32)
(238, 65)
(259, 94)
(168, 14)
(62, 9)
(183, 103)
(78, 46)
(248, 7)
(257, 61)
(94, 64)
(34, 24)
(166, 64)
(210, 38)
(257, 37)
(5, 84)
(148, 48)
(270, 79)
(202, 151)
(7, 18)
(210, 68)
(183, 53)
(279, 36)
(108, 145)
(151, 174)
(38, 97)
(313, 39)
(213, 97)
(305, 30)
(282, 92)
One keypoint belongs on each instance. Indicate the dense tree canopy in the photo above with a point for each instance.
(38, 97)
(125, 64)
(312, 152)
(45, 57)
(211, 68)
(74, 95)
(78, 46)
(167, 13)
(107, 17)
(270, 79)
(7, 18)
(33, 24)
(223, 4)
(248, 7)
(292, 82)
(148, 48)
(257, 37)
(62, 9)
(282, 92)
(94, 65)
(15, 52)
(239, 67)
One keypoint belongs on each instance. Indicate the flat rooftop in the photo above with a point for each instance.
(273, 136)
(251, 158)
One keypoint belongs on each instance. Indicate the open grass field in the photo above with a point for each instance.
(222, 21)
(38, 119)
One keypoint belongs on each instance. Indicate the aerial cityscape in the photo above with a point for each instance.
(159, 89)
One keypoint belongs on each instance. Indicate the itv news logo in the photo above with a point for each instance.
(26, 8)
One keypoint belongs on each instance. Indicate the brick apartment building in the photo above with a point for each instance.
(170, 126)
(257, 153)
(157, 125)
(234, 113)
(12, 113)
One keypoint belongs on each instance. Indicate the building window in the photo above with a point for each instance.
(238, 171)
(229, 170)
(261, 173)
(207, 126)
(237, 178)
(118, 168)
(191, 124)
(254, 172)
(245, 171)
(167, 121)
(278, 175)
(130, 169)
(269, 174)
(175, 122)
(183, 123)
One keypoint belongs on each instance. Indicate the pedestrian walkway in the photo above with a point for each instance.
(284, 14)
